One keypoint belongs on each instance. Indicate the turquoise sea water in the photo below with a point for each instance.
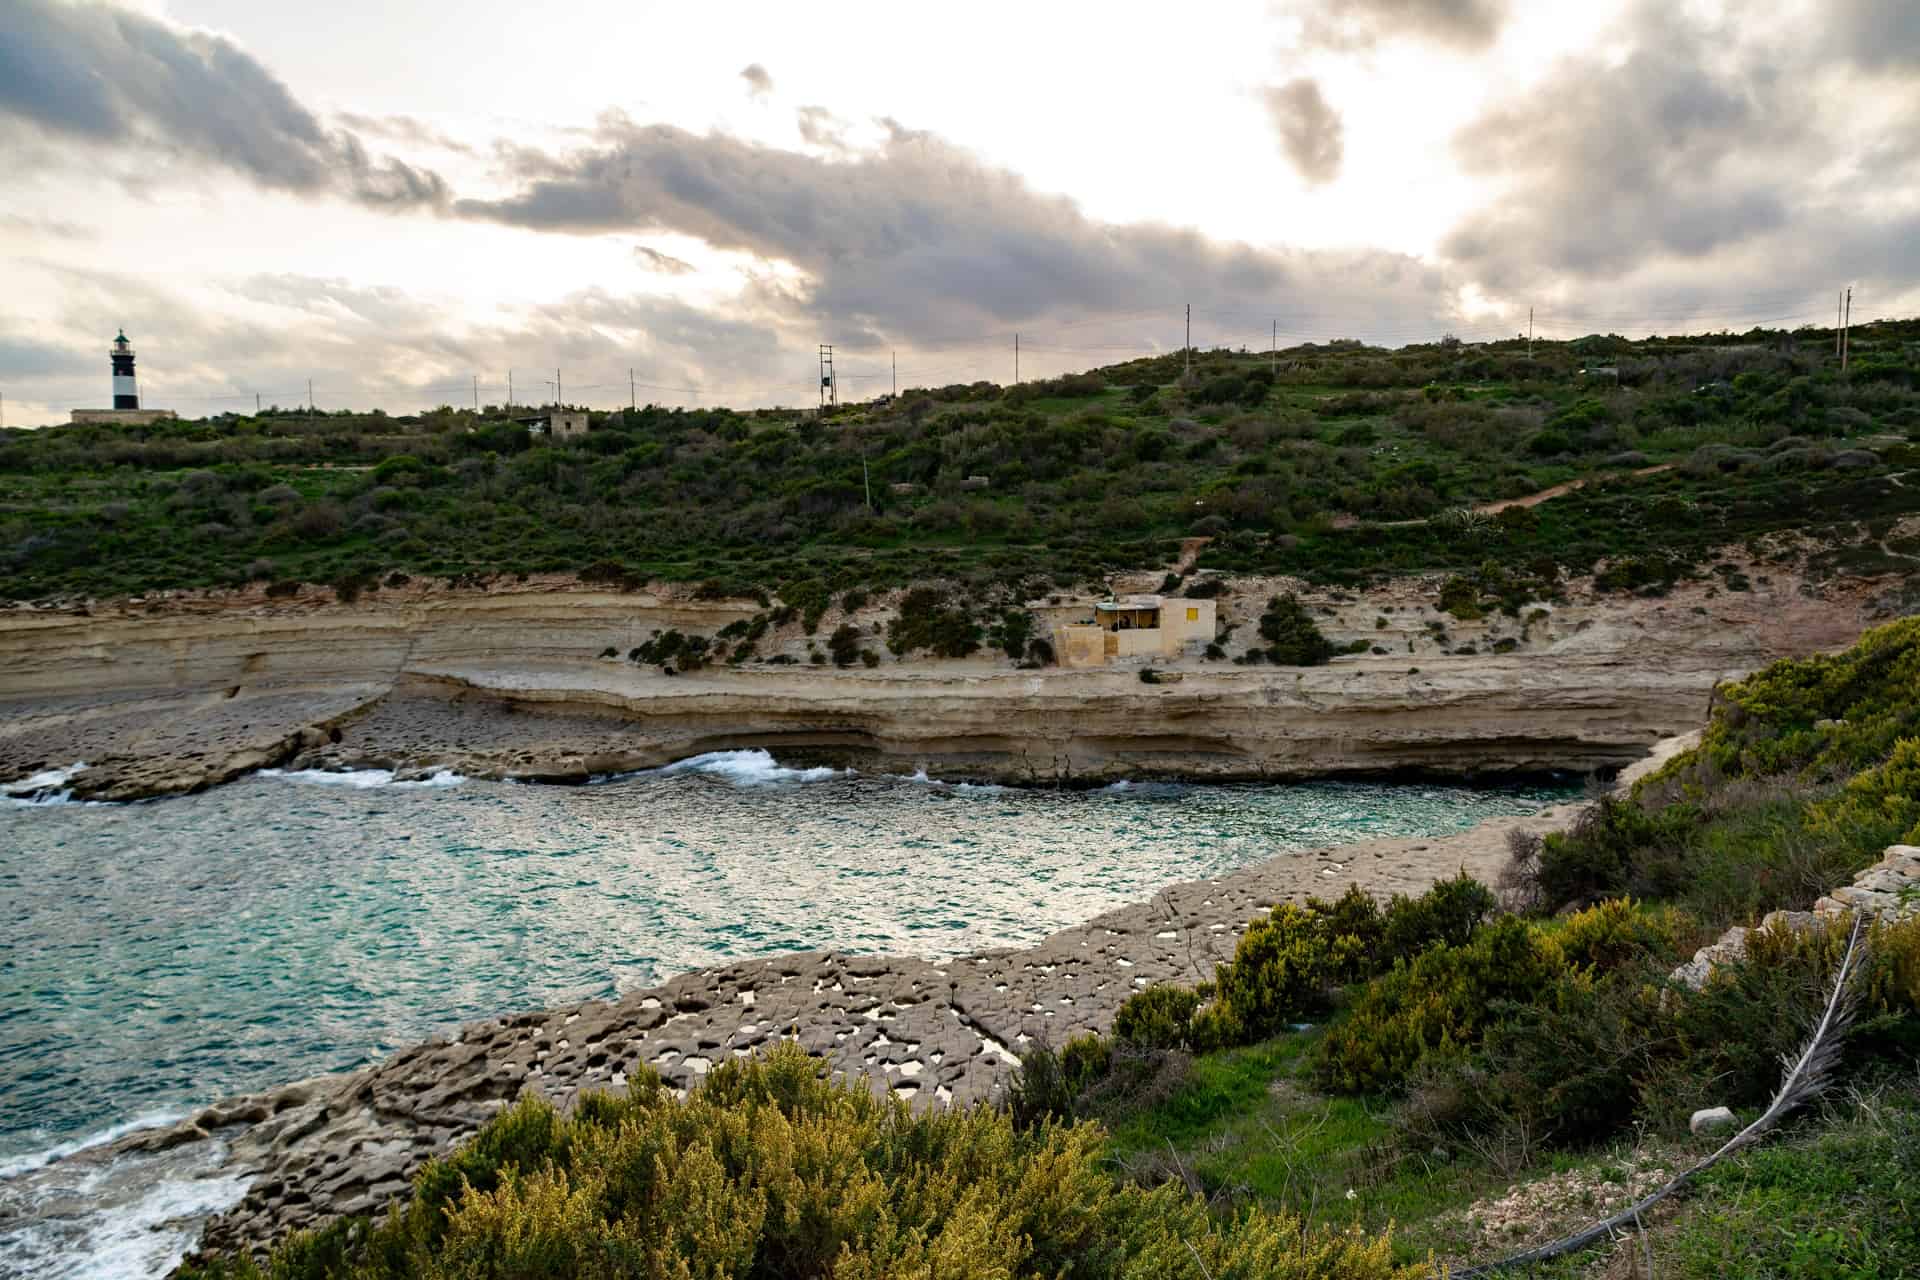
(163, 955)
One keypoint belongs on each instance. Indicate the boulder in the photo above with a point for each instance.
(1712, 1120)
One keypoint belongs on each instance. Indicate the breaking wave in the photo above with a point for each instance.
(363, 779)
(748, 768)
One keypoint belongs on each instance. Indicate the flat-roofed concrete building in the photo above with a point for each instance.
(1134, 627)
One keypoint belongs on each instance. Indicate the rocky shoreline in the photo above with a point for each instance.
(932, 1032)
(166, 697)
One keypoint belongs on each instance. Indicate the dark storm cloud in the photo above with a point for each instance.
(1706, 159)
(759, 83)
(22, 357)
(1359, 24)
(114, 78)
(1673, 153)
(1876, 34)
(918, 238)
(664, 263)
(1310, 131)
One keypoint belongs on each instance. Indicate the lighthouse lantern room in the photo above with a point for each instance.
(126, 395)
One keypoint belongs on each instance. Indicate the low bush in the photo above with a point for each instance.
(1599, 1051)
(1293, 638)
(768, 1169)
(1437, 1004)
(1156, 1018)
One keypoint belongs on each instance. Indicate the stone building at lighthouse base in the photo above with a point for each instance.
(122, 417)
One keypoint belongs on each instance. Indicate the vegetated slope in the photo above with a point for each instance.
(1063, 480)
(1467, 1047)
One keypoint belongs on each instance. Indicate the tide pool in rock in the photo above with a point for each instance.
(164, 955)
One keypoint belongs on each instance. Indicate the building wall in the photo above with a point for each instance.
(569, 424)
(122, 417)
(1187, 621)
(1141, 642)
(1080, 646)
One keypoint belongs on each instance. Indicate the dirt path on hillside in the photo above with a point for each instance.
(1561, 490)
(1345, 521)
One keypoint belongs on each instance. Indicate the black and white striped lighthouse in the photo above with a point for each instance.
(126, 395)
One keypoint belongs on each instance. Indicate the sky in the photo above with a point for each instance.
(406, 205)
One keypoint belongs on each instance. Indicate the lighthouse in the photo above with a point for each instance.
(126, 395)
(126, 411)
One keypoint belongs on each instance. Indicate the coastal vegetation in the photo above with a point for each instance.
(1334, 462)
(769, 1170)
(1413, 1057)
(1362, 1089)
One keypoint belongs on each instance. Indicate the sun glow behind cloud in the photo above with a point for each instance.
(444, 200)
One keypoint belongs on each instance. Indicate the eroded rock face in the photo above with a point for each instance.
(1887, 890)
(183, 694)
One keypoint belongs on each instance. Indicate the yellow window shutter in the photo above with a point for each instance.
(1193, 615)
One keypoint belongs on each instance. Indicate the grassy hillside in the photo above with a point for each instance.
(1336, 462)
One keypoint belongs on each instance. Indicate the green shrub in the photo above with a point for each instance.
(1294, 639)
(844, 645)
(1611, 934)
(769, 1169)
(1445, 915)
(1436, 1004)
(1879, 805)
(1156, 1018)
(1285, 967)
(1461, 598)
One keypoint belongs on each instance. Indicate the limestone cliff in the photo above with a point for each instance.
(169, 696)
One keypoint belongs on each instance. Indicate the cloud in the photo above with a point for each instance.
(1361, 24)
(918, 239)
(759, 83)
(664, 263)
(1703, 159)
(1673, 152)
(116, 79)
(22, 357)
(821, 128)
(44, 228)
(1310, 130)
(1876, 34)
(403, 129)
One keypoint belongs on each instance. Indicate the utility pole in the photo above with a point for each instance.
(1188, 372)
(509, 391)
(633, 397)
(866, 483)
(559, 395)
(309, 397)
(1529, 333)
(1273, 349)
(896, 385)
(1016, 359)
(1846, 331)
(1839, 309)
(476, 393)
(256, 404)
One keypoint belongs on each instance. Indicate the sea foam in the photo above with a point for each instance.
(748, 768)
(49, 786)
(363, 779)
